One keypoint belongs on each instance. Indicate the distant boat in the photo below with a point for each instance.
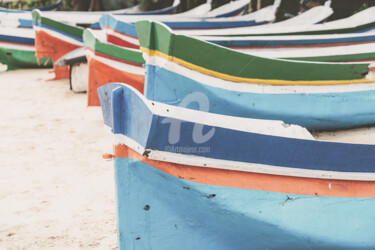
(121, 31)
(317, 96)
(90, 19)
(54, 6)
(54, 38)
(362, 21)
(108, 63)
(225, 182)
(17, 49)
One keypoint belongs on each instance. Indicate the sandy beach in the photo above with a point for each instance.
(56, 192)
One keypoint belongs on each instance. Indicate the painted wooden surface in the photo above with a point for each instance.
(148, 127)
(284, 211)
(158, 210)
(108, 63)
(157, 39)
(315, 107)
(319, 48)
(54, 39)
(118, 27)
(17, 49)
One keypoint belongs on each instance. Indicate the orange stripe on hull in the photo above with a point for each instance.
(50, 46)
(255, 181)
(100, 74)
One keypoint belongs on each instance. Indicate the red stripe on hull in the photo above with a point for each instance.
(255, 181)
(120, 42)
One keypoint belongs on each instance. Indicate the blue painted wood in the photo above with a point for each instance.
(122, 27)
(159, 211)
(17, 39)
(105, 98)
(132, 118)
(136, 121)
(313, 111)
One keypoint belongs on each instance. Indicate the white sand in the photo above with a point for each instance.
(56, 192)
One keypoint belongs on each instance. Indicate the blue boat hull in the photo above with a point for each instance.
(316, 111)
(159, 211)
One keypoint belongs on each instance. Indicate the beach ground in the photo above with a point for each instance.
(56, 191)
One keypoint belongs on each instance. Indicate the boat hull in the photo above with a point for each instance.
(101, 72)
(49, 46)
(159, 210)
(315, 111)
(16, 59)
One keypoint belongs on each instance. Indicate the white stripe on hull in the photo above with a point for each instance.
(255, 88)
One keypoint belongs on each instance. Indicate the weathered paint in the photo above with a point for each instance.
(256, 181)
(19, 58)
(102, 58)
(145, 126)
(338, 107)
(54, 39)
(17, 49)
(358, 50)
(157, 39)
(159, 211)
(217, 209)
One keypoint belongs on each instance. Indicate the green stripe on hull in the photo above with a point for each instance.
(21, 59)
(336, 58)
(155, 36)
(90, 41)
(69, 29)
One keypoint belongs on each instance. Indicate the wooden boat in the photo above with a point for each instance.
(362, 21)
(90, 19)
(340, 48)
(314, 95)
(109, 63)
(122, 32)
(54, 6)
(80, 18)
(17, 49)
(54, 39)
(273, 188)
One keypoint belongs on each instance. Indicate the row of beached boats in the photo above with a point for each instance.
(212, 125)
